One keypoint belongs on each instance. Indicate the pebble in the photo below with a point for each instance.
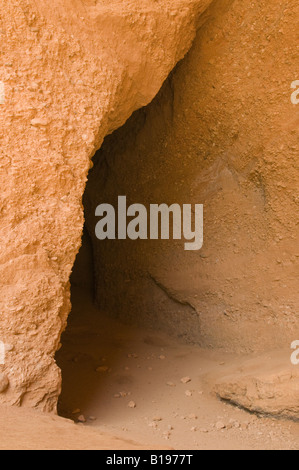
(244, 426)
(220, 425)
(76, 411)
(157, 418)
(170, 384)
(162, 358)
(192, 416)
(230, 425)
(81, 419)
(188, 393)
(185, 380)
(194, 429)
(132, 404)
(153, 425)
(92, 418)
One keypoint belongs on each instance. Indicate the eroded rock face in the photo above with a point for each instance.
(73, 71)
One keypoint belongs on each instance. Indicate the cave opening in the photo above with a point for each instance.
(126, 326)
(153, 327)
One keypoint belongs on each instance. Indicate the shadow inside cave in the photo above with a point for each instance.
(103, 361)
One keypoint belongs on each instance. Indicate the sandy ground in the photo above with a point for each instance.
(22, 429)
(127, 382)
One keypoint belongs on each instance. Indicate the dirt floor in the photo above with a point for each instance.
(127, 382)
(23, 429)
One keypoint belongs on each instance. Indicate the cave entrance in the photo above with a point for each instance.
(125, 345)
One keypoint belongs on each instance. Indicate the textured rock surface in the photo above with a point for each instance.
(3, 383)
(263, 385)
(222, 132)
(73, 71)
